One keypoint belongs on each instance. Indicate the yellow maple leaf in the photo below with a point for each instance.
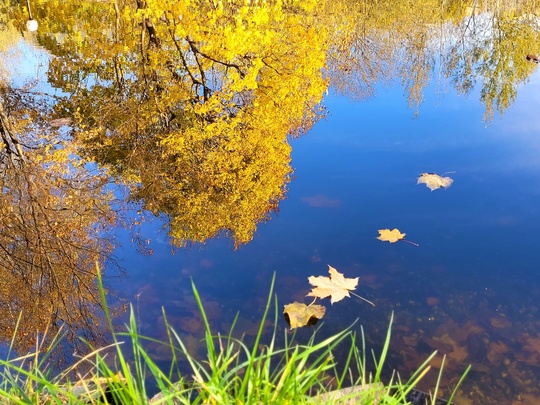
(298, 314)
(434, 181)
(391, 236)
(336, 286)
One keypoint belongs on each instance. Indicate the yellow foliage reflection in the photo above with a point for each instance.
(52, 216)
(191, 104)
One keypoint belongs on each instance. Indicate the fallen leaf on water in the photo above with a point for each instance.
(298, 314)
(434, 181)
(392, 236)
(336, 286)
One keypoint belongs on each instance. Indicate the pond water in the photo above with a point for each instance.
(470, 289)
(204, 143)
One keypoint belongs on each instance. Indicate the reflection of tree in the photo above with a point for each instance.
(388, 41)
(52, 215)
(492, 48)
(402, 41)
(191, 104)
(9, 37)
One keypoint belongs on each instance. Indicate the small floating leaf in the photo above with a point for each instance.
(298, 314)
(391, 236)
(434, 181)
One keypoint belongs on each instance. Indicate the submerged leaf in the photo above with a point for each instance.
(336, 286)
(298, 314)
(434, 181)
(391, 236)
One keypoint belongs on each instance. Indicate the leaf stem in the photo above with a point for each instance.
(362, 298)
(408, 241)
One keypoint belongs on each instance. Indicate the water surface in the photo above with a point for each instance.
(470, 289)
(205, 143)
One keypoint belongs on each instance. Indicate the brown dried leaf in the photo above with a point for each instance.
(298, 314)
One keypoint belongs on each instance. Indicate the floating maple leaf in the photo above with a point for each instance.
(392, 236)
(336, 286)
(298, 314)
(434, 181)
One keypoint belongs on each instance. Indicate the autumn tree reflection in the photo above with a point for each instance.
(190, 103)
(472, 44)
(389, 42)
(492, 48)
(53, 212)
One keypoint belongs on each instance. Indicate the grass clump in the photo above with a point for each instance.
(233, 372)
